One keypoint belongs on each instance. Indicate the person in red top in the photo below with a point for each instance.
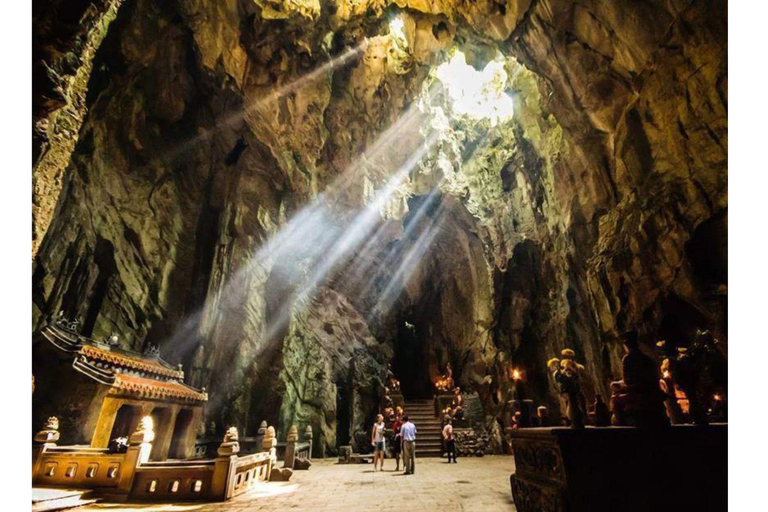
(397, 445)
(450, 443)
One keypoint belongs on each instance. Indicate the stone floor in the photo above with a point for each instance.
(480, 484)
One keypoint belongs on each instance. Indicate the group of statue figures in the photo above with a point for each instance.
(445, 383)
(643, 397)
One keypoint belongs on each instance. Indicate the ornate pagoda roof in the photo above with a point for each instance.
(125, 371)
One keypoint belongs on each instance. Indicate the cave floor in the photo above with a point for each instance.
(472, 484)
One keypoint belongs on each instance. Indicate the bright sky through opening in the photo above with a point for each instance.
(476, 94)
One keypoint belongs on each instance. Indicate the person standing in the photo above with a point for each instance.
(450, 443)
(377, 440)
(408, 431)
(397, 447)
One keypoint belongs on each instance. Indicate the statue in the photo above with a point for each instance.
(699, 371)
(669, 388)
(566, 373)
(112, 340)
(601, 416)
(387, 405)
(152, 350)
(392, 383)
(457, 405)
(637, 399)
(445, 383)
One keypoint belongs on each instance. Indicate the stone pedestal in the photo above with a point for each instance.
(397, 401)
(526, 411)
(441, 402)
(620, 468)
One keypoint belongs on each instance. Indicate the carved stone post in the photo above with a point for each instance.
(45, 439)
(260, 434)
(139, 448)
(269, 444)
(308, 438)
(290, 447)
(222, 484)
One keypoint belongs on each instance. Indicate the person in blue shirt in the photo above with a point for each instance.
(408, 432)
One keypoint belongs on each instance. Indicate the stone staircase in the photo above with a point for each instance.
(429, 442)
(49, 499)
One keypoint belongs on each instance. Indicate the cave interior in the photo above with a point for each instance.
(287, 197)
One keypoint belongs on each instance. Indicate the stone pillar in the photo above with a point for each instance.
(43, 440)
(222, 482)
(269, 444)
(290, 447)
(139, 448)
(260, 434)
(164, 431)
(308, 438)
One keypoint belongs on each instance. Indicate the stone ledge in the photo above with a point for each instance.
(620, 468)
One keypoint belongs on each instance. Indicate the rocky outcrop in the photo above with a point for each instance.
(274, 193)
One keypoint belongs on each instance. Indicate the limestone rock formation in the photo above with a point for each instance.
(210, 175)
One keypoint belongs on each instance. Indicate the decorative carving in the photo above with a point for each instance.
(535, 497)
(293, 435)
(230, 444)
(50, 433)
(152, 350)
(541, 459)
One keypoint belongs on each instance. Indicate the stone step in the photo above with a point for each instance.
(48, 500)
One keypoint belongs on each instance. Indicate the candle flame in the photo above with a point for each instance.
(516, 374)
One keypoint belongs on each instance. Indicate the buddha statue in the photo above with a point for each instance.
(637, 399)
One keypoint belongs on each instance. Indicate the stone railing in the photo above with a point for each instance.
(133, 476)
(295, 450)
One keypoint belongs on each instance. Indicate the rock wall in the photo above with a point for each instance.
(223, 196)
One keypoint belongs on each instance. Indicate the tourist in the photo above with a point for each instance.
(397, 446)
(408, 431)
(450, 443)
(377, 440)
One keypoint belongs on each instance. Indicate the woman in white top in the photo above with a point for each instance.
(377, 440)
